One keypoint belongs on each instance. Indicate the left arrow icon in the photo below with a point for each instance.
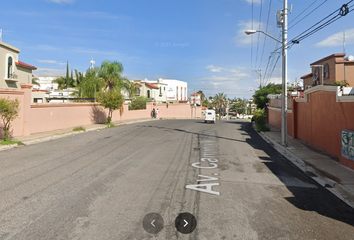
(152, 223)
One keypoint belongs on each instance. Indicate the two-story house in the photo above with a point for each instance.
(12, 71)
(330, 69)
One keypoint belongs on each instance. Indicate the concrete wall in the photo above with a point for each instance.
(47, 117)
(42, 117)
(318, 119)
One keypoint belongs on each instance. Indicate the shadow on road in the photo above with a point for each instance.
(318, 200)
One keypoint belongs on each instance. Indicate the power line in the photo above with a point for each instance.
(307, 15)
(341, 12)
(264, 39)
(259, 28)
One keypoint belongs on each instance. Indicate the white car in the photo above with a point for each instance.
(209, 116)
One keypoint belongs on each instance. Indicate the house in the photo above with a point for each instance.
(330, 69)
(46, 83)
(196, 98)
(156, 92)
(162, 90)
(13, 72)
(176, 90)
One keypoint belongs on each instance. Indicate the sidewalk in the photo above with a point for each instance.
(55, 134)
(327, 172)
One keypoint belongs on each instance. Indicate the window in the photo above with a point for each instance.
(326, 71)
(9, 67)
(160, 91)
(177, 93)
(148, 93)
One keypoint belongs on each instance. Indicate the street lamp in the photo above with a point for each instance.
(284, 23)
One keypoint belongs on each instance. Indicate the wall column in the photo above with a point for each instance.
(26, 108)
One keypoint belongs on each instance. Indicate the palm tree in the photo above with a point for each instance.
(220, 101)
(111, 72)
(61, 81)
(35, 81)
(202, 96)
(91, 83)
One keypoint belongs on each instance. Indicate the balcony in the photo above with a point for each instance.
(11, 78)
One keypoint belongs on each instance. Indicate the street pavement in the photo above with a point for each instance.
(103, 184)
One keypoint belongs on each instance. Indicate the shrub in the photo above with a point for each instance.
(110, 125)
(79, 129)
(138, 103)
(260, 119)
(8, 112)
(341, 83)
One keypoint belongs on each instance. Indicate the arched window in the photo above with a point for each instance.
(9, 67)
(326, 71)
(160, 91)
(148, 93)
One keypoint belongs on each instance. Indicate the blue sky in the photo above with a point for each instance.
(201, 42)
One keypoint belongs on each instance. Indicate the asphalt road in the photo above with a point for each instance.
(101, 185)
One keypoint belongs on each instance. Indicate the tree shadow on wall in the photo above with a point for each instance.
(98, 114)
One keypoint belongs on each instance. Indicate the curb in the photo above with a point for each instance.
(70, 133)
(339, 190)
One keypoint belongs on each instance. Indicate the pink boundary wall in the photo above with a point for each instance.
(35, 118)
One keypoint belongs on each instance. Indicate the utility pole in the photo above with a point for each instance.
(195, 103)
(284, 76)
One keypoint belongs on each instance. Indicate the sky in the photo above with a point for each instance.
(201, 42)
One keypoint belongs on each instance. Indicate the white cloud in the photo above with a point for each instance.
(254, 1)
(212, 68)
(51, 62)
(61, 1)
(337, 39)
(45, 47)
(242, 38)
(49, 72)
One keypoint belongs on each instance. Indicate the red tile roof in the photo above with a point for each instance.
(307, 75)
(195, 94)
(151, 85)
(22, 64)
(138, 84)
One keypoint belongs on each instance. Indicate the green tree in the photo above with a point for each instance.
(239, 106)
(220, 103)
(61, 81)
(138, 103)
(8, 112)
(111, 72)
(202, 96)
(35, 81)
(91, 84)
(65, 82)
(260, 96)
(111, 100)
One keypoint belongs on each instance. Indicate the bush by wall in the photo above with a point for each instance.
(138, 103)
(260, 119)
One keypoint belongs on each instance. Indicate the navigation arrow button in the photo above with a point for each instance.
(185, 223)
(153, 223)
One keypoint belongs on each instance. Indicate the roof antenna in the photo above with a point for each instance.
(291, 8)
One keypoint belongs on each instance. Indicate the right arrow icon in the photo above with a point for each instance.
(185, 223)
